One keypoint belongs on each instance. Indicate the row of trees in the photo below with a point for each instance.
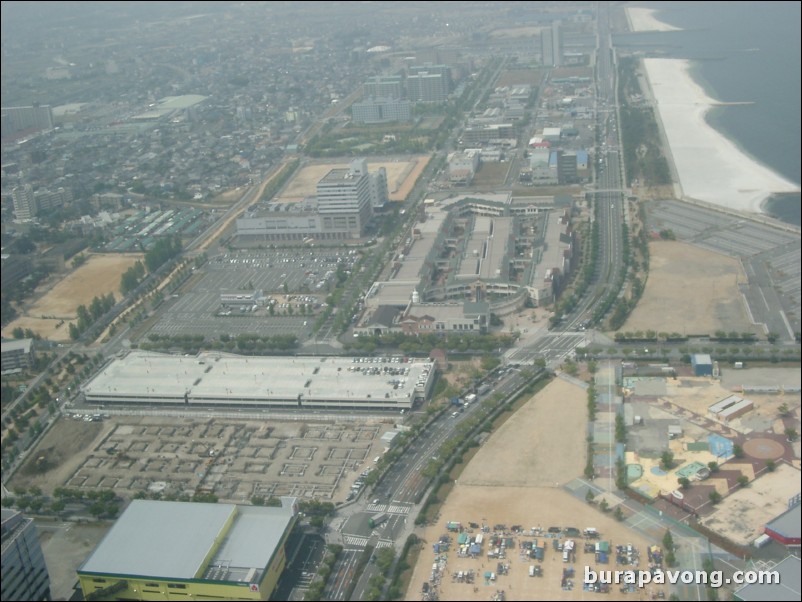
(243, 343)
(88, 316)
(426, 342)
(640, 135)
(132, 277)
(102, 503)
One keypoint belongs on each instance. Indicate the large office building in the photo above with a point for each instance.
(262, 382)
(384, 86)
(566, 167)
(343, 199)
(547, 47)
(429, 83)
(17, 119)
(550, 45)
(24, 573)
(381, 110)
(181, 550)
(25, 206)
(346, 199)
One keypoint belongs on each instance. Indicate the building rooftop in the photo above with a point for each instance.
(486, 250)
(789, 587)
(173, 540)
(438, 311)
(336, 176)
(788, 524)
(16, 345)
(160, 539)
(223, 378)
(169, 104)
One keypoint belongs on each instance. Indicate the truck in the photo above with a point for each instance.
(377, 519)
(470, 398)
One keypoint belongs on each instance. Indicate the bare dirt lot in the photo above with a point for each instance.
(491, 174)
(100, 275)
(517, 478)
(234, 459)
(558, 415)
(401, 176)
(690, 291)
(59, 454)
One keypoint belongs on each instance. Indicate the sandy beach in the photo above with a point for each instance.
(711, 168)
(642, 19)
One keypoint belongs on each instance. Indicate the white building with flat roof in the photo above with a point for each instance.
(269, 382)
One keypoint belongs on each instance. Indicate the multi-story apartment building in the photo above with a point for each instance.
(24, 573)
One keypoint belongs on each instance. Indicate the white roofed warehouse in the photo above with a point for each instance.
(164, 550)
(265, 382)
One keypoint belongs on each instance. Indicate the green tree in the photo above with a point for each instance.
(771, 465)
(668, 540)
(684, 482)
(715, 497)
(743, 480)
(713, 466)
(667, 460)
(384, 559)
(620, 429)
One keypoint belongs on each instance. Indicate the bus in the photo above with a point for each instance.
(377, 519)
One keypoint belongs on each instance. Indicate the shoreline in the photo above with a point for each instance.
(642, 19)
(710, 167)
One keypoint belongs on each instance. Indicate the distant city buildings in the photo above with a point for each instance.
(384, 86)
(29, 204)
(24, 573)
(550, 45)
(381, 110)
(25, 207)
(429, 83)
(17, 119)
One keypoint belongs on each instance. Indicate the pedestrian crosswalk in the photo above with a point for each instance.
(355, 540)
(389, 508)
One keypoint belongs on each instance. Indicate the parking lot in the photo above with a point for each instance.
(770, 257)
(307, 276)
